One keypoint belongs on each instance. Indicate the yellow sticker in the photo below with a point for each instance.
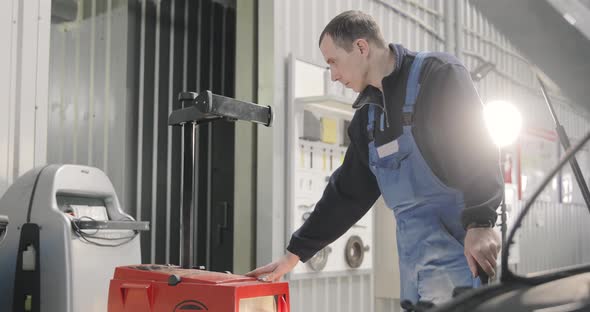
(329, 130)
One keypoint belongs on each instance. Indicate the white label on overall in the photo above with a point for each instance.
(387, 149)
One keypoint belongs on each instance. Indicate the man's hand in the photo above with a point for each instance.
(274, 271)
(481, 247)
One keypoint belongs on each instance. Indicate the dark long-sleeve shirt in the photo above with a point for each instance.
(449, 130)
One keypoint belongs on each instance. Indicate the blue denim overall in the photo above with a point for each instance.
(430, 235)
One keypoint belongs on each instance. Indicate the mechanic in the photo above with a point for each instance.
(418, 138)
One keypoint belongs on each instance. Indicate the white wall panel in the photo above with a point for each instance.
(553, 236)
(24, 32)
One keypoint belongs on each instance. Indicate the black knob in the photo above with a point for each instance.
(174, 280)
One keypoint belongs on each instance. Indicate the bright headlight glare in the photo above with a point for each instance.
(503, 121)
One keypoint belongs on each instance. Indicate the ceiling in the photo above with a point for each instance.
(553, 35)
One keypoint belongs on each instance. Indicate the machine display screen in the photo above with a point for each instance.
(79, 206)
(63, 200)
(259, 304)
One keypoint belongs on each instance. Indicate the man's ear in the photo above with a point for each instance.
(362, 45)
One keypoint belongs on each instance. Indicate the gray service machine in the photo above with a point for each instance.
(66, 236)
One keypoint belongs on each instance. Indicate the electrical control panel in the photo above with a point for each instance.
(318, 139)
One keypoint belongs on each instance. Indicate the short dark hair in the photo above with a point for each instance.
(348, 26)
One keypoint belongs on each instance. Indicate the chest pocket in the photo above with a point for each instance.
(393, 173)
(390, 162)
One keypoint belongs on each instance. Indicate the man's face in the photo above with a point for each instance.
(350, 68)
